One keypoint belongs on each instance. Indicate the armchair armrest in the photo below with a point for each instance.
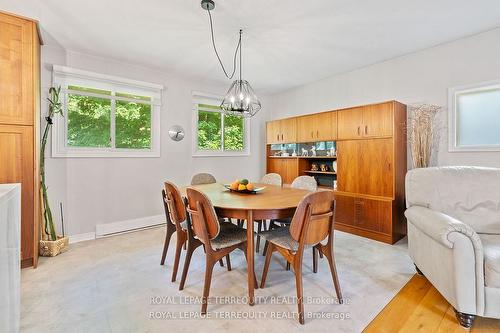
(450, 253)
(441, 227)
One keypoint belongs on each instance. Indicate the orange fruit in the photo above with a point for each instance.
(250, 187)
(241, 187)
(234, 186)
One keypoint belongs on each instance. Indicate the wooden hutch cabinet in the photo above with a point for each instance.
(19, 122)
(371, 166)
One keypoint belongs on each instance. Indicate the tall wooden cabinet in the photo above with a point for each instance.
(19, 122)
(371, 166)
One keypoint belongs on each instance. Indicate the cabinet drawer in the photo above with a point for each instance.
(368, 214)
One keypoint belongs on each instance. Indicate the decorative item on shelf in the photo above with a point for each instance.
(294, 154)
(304, 152)
(51, 243)
(240, 99)
(421, 133)
(334, 166)
(332, 151)
(323, 167)
(313, 151)
(314, 167)
(335, 184)
(285, 154)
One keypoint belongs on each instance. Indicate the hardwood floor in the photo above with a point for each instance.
(419, 307)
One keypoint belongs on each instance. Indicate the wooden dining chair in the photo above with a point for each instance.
(311, 224)
(307, 183)
(218, 242)
(203, 178)
(272, 179)
(175, 213)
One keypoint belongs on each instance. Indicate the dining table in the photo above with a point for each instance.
(269, 203)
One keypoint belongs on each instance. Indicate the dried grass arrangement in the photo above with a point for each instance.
(421, 133)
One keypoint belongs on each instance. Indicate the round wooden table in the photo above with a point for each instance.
(273, 202)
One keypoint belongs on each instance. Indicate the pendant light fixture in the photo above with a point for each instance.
(240, 99)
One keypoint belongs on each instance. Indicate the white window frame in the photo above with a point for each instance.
(453, 94)
(211, 98)
(63, 76)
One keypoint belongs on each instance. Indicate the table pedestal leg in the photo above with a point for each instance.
(250, 250)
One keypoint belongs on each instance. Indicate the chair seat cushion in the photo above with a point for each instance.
(491, 248)
(282, 238)
(229, 235)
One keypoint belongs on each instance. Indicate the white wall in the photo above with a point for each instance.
(423, 76)
(103, 190)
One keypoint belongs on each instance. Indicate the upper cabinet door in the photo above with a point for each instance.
(377, 120)
(349, 123)
(305, 129)
(288, 130)
(325, 125)
(16, 70)
(273, 132)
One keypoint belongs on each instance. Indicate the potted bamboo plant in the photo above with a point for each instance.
(51, 243)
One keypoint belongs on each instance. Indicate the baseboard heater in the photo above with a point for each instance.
(113, 228)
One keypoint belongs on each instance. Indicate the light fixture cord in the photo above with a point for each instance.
(238, 47)
(241, 31)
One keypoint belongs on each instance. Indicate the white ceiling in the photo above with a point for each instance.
(285, 43)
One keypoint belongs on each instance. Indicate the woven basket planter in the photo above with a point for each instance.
(53, 248)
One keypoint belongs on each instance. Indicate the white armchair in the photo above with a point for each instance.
(454, 235)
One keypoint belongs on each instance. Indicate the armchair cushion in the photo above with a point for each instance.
(491, 246)
(468, 194)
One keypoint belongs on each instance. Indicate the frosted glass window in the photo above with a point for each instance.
(477, 115)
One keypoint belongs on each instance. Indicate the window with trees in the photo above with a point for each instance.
(216, 132)
(106, 116)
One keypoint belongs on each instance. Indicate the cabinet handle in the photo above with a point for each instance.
(317, 134)
(281, 136)
(366, 129)
(359, 130)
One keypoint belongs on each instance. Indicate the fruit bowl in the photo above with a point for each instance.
(254, 191)
(243, 186)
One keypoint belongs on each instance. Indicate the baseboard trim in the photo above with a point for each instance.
(113, 228)
(81, 237)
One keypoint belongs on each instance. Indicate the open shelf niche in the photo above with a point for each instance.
(322, 166)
